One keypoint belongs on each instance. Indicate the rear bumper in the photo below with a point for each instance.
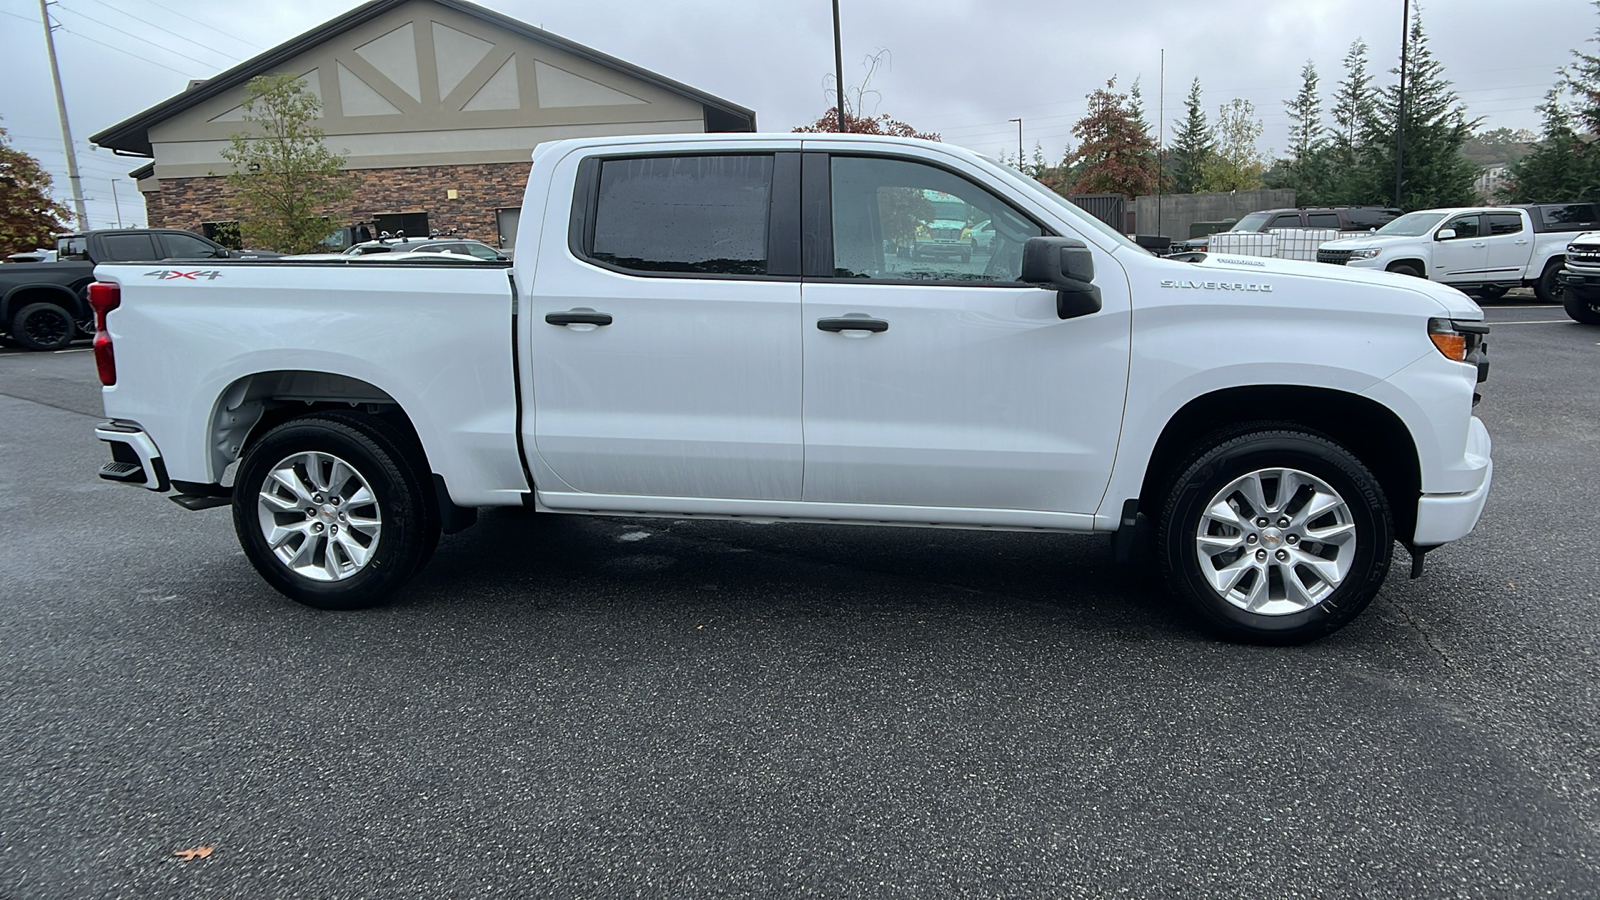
(135, 458)
(1442, 518)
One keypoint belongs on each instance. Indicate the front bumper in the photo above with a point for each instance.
(1581, 284)
(135, 458)
(1442, 518)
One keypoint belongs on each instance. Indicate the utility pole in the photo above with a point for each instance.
(1019, 140)
(1400, 120)
(1161, 135)
(838, 67)
(66, 130)
(115, 202)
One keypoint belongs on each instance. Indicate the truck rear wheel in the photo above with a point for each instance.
(1549, 288)
(331, 510)
(1275, 536)
(43, 326)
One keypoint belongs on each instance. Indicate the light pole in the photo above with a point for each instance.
(1400, 120)
(1019, 140)
(838, 67)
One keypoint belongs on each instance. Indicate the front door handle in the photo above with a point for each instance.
(1479, 244)
(578, 317)
(853, 323)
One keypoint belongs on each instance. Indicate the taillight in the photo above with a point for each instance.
(104, 297)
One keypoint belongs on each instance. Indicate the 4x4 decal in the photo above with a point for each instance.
(192, 275)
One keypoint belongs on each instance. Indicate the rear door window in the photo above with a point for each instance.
(683, 214)
(128, 247)
(1322, 220)
(1504, 223)
(1286, 221)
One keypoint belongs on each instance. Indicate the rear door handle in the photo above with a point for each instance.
(853, 323)
(578, 317)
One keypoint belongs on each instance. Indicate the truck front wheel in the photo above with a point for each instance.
(331, 510)
(43, 326)
(1275, 536)
(1582, 307)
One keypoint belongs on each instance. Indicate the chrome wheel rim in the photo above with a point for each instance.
(319, 516)
(1276, 541)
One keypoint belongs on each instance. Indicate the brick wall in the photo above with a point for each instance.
(481, 189)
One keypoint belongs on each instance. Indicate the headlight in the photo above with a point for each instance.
(1369, 253)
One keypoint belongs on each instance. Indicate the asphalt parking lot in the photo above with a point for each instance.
(618, 707)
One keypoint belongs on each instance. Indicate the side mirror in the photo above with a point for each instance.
(1067, 265)
(1445, 234)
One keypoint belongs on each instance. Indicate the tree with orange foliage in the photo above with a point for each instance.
(1117, 155)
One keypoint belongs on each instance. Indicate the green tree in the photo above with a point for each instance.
(1345, 159)
(1117, 156)
(1435, 126)
(1561, 167)
(29, 217)
(1305, 169)
(1192, 144)
(1237, 164)
(286, 182)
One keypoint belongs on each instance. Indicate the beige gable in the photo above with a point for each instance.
(428, 85)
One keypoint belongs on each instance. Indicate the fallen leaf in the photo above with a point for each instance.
(191, 853)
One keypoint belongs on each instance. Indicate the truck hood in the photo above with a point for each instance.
(1371, 240)
(1251, 269)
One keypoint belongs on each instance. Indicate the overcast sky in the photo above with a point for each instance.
(959, 67)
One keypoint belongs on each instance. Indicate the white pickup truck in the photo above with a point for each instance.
(1482, 250)
(711, 326)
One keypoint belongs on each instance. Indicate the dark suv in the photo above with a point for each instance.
(1344, 218)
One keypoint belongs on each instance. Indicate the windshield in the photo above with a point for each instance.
(1412, 224)
(1252, 222)
(1073, 210)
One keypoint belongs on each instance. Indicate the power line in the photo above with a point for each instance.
(257, 48)
(231, 59)
(142, 59)
(131, 36)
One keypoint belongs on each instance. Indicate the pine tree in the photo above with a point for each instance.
(1192, 144)
(1305, 171)
(1562, 167)
(1435, 173)
(29, 217)
(1117, 156)
(1354, 107)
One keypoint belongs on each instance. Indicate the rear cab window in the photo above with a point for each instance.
(128, 248)
(682, 215)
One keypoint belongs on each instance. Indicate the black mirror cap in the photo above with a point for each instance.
(1067, 265)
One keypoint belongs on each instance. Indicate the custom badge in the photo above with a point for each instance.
(189, 275)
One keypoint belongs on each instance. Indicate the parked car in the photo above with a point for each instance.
(982, 235)
(1485, 250)
(1343, 218)
(1581, 279)
(1273, 426)
(44, 305)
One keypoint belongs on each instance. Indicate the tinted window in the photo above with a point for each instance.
(185, 246)
(1287, 221)
(72, 248)
(128, 247)
(684, 214)
(1322, 220)
(1504, 223)
(897, 220)
(1568, 213)
(481, 251)
(1465, 226)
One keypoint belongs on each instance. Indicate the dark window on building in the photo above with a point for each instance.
(1504, 223)
(185, 246)
(684, 214)
(224, 233)
(128, 247)
(1322, 220)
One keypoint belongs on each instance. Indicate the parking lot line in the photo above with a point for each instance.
(1532, 322)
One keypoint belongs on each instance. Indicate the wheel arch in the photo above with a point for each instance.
(1375, 434)
(22, 295)
(1408, 261)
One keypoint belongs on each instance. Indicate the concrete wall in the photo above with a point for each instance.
(1177, 211)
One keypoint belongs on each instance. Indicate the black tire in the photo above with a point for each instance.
(1490, 292)
(1406, 269)
(1234, 454)
(393, 470)
(1549, 288)
(1583, 308)
(43, 326)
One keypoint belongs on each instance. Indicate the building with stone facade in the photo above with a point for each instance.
(436, 106)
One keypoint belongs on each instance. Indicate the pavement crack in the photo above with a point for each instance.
(1427, 637)
(69, 409)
